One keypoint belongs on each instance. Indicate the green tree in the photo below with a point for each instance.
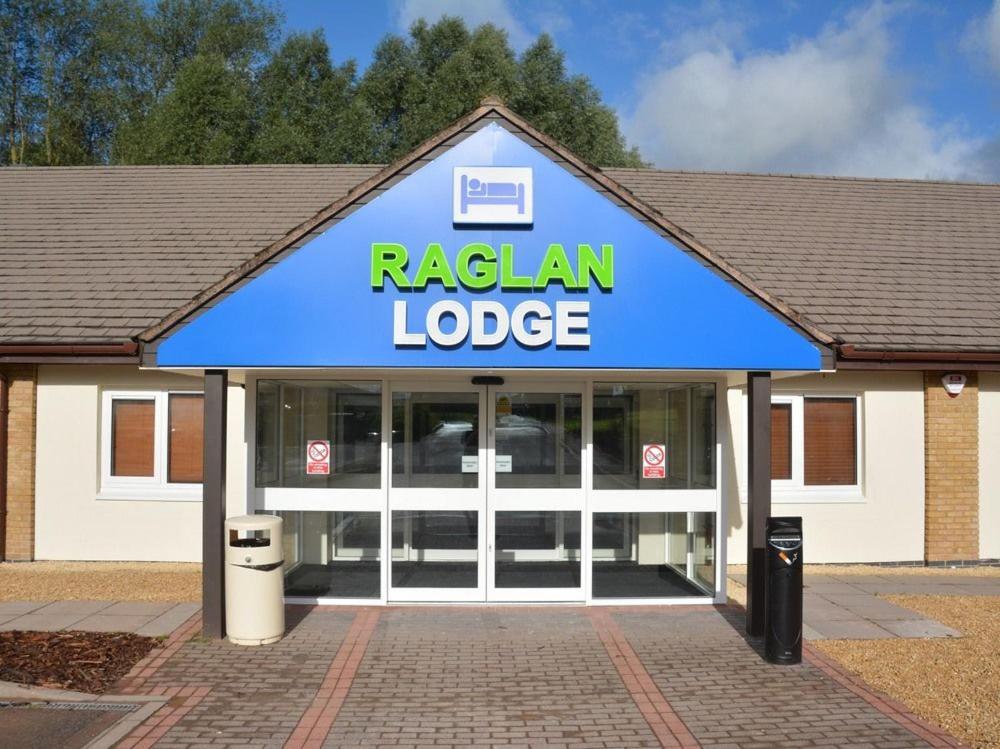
(198, 73)
(568, 108)
(205, 118)
(418, 85)
(390, 87)
(66, 79)
(308, 111)
(241, 32)
(202, 81)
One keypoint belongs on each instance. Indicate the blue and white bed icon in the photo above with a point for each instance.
(492, 195)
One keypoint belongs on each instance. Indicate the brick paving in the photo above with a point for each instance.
(509, 676)
(729, 697)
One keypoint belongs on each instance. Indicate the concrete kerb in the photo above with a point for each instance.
(148, 705)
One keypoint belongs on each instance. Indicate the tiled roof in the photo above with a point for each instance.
(93, 254)
(881, 264)
(99, 254)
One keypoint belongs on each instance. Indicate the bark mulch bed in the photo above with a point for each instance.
(82, 661)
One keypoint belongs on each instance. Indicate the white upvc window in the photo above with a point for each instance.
(816, 448)
(151, 445)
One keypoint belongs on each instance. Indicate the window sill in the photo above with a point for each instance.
(178, 493)
(815, 495)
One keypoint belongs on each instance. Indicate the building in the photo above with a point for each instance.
(491, 372)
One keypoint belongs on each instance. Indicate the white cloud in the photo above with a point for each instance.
(829, 104)
(474, 13)
(982, 38)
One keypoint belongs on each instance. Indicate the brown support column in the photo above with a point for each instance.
(4, 410)
(759, 493)
(213, 506)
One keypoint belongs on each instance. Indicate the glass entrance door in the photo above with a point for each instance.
(437, 493)
(535, 494)
(486, 493)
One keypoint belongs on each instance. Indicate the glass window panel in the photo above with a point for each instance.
(132, 427)
(435, 440)
(781, 441)
(680, 416)
(537, 549)
(290, 413)
(538, 440)
(185, 416)
(332, 554)
(830, 441)
(435, 549)
(661, 554)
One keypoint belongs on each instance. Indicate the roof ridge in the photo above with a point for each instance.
(795, 175)
(22, 169)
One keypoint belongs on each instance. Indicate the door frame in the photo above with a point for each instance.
(438, 499)
(555, 499)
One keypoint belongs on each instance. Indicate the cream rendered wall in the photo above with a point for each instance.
(989, 465)
(887, 524)
(70, 522)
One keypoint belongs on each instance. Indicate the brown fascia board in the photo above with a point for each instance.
(489, 105)
(126, 352)
(850, 356)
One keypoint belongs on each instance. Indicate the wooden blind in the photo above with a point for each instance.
(186, 423)
(132, 423)
(830, 441)
(781, 441)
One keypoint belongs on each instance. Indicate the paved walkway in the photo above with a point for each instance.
(152, 619)
(848, 606)
(508, 676)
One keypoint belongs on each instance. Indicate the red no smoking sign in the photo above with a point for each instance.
(318, 457)
(654, 461)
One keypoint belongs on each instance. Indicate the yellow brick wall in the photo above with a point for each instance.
(951, 459)
(20, 526)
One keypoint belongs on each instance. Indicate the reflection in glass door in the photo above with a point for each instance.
(535, 494)
(437, 498)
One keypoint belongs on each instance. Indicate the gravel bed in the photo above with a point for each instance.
(100, 581)
(954, 683)
(874, 569)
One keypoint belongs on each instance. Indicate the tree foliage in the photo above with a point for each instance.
(211, 82)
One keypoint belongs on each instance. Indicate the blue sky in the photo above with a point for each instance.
(872, 88)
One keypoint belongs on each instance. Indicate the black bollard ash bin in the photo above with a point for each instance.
(783, 591)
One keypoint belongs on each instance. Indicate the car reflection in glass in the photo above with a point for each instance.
(532, 444)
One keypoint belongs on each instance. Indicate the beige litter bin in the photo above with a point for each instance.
(255, 608)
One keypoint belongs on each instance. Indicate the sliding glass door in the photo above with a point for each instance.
(536, 494)
(437, 493)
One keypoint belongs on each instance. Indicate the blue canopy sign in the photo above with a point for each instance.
(490, 256)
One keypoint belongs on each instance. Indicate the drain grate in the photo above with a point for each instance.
(118, 707)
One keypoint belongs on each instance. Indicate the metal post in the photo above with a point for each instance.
(213, 506)
(759, 494)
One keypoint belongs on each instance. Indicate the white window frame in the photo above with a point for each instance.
(145, 488)
(795, 490)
